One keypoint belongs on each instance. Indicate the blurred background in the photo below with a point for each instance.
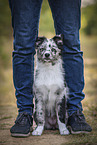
(88, 36)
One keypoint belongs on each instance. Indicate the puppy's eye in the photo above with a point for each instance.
(42, 49)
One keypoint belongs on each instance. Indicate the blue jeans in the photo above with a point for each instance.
(25, 22)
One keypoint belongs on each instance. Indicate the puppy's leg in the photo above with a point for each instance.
(39, 116)
(61, 116)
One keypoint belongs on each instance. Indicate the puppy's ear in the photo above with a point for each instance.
(39, 41)
(59, 40)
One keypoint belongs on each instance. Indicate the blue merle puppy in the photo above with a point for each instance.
(49, 86)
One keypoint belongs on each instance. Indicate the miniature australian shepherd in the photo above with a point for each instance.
(49, 86)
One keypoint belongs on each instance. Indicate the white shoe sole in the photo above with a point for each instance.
(77, 132)
(19, 135)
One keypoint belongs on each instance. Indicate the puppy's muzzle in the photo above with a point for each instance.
(47, 55)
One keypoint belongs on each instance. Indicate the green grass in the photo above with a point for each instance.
(89, 46)
(46, 26)
(5, 34)
(5, 19)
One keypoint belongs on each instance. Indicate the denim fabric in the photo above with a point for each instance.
(25, 21)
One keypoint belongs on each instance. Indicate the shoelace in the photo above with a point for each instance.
(21, 119)
(79, 117)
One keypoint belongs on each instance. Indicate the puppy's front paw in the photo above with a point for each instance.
(38, 130)
(64, 131)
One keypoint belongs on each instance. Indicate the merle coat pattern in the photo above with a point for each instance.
(49, 86)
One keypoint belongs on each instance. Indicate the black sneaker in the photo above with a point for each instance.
(77, 124)
(22, 125)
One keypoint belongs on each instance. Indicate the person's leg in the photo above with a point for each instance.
(25, 20)
(66, 15)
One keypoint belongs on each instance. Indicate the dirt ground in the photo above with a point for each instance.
(8, 113)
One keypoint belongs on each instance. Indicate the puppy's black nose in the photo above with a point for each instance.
(47, 55)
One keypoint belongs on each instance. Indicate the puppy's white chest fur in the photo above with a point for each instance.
(48, 74)
(49, 81)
